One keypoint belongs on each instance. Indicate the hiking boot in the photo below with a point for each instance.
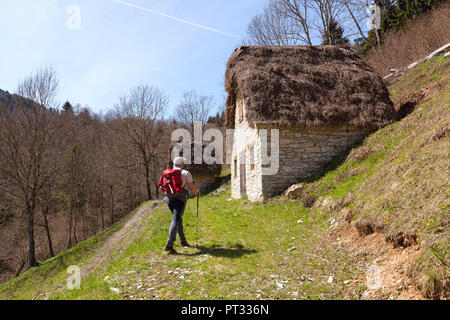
(184, 243)
(170, 250)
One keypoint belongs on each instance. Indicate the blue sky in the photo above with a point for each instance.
(119, 46)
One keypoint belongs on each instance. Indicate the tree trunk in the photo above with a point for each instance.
(83, 216)
(157, 191)
(69, 241)
(355, 21)
(31, 244)
(75, 223)
(19, 270)
(112, 204)
(47, 231)
(102, 213)
(378, 37)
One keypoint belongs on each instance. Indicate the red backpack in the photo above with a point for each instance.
(171, 182)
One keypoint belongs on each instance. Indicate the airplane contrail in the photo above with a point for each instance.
(177, 19)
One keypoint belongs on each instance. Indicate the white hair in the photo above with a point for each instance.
(178, 161)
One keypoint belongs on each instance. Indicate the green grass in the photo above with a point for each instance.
(242, 254)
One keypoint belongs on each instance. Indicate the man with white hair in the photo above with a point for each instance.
(173, 183)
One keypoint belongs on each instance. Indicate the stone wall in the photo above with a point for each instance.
(304, 152)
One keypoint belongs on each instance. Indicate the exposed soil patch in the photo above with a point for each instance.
(391, 263)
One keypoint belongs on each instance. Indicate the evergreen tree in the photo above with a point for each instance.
(218, 119)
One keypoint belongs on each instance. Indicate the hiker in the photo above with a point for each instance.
(173, 183)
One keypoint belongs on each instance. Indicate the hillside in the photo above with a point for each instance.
(382, 206)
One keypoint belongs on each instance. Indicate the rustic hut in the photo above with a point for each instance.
(321, 99)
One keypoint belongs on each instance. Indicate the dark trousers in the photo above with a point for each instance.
(177, 207)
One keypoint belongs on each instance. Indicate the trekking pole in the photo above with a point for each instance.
(196, 235)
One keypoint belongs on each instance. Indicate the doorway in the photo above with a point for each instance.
(242, 175)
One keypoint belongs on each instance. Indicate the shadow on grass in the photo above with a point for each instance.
(237, 251)
(336, 162)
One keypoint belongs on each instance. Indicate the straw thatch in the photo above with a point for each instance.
(306, 86)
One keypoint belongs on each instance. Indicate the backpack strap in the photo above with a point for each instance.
(181, 173)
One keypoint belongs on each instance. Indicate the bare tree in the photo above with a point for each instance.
(299, 12)
(297, 22)
(27, 137)
(137, 115)
(193, 107)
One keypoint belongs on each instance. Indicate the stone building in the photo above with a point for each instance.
(322, 100)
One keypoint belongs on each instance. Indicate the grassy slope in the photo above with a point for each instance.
(395, 182)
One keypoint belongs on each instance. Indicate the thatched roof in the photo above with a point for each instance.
(307, 87)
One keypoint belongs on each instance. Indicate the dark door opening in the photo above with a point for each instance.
(243, 180)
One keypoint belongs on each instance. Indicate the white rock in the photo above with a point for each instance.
(280, 285)
(114, 290)
(300, 221)
(294, 192)
(330, 279)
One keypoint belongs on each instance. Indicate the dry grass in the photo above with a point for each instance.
(306, 86)
(416, 41)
